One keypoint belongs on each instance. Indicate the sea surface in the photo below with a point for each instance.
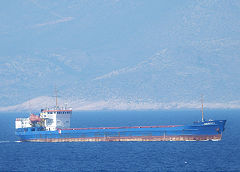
(221, 155)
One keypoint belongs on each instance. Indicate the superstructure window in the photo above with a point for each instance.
(49, 121)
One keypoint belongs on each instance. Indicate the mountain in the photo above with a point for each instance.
(109, 54)
(34, 105)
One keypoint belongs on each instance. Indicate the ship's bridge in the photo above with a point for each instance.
(56, 117)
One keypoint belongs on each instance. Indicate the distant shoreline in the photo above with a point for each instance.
(127, 110)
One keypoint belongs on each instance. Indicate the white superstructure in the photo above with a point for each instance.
(56, 118)
(22, 123)
(50, 118)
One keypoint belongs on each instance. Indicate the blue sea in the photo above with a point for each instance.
(221, 155)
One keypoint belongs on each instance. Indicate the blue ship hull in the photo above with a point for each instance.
(206, 130)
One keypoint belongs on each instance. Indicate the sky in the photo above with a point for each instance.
(120, 52)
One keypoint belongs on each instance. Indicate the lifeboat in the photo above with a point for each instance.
(34, 118)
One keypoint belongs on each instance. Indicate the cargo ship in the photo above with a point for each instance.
(53, 125)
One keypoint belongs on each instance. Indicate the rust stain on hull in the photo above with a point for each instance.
(133, 138)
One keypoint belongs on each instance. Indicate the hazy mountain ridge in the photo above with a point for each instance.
(38, 103)
(138, 52)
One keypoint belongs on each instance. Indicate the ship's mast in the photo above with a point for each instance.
(56, 96)
(202, 107)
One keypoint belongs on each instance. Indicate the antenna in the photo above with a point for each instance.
(55, 90)
(202, 107)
